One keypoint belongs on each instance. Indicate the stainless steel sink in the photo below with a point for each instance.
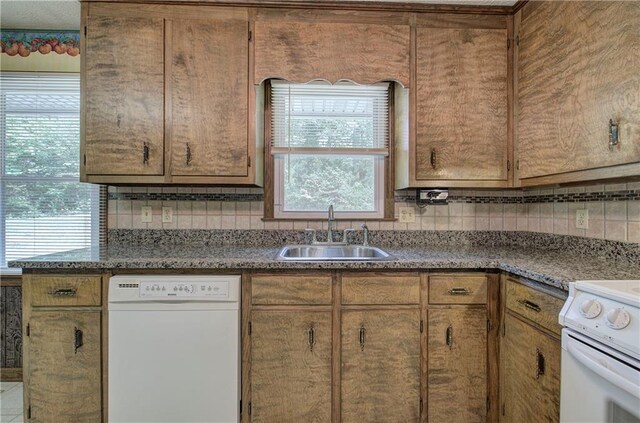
(332, 252)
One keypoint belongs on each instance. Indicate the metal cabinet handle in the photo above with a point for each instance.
(459, 291)
(63, 292)
(311, 334)
(449, 337)
(530, 305)
(188, 154)
(363, 332)
(540, 363)
(145, 153)
(434, 158)
(77, 339)
(613, 133)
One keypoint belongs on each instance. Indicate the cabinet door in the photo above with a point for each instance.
(123, 82)
(530, 374)
(577, 69)
(461, 114)
(291, 366)
(209, 97)
(64, 381)
(457, 372)
(380, 366)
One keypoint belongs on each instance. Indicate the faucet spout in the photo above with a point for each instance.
(330, 222)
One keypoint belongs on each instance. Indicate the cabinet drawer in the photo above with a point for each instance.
(291, 289)
(457, 289)
(381, 289)
(537, 306)
(63, 290)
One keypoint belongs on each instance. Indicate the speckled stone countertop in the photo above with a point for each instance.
(551, 267)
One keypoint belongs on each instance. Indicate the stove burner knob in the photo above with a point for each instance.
(618, 318)
(590, 309)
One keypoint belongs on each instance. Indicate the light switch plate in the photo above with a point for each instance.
(582, 219)
(407, 215)
(167, 214)
(145, 214)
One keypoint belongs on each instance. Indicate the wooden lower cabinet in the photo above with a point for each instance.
(291, 366)
(64, 366)
(530, 373)
(457, 364)
(380, 372)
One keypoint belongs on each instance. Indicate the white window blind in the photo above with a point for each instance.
(320, 117)
(43, 207)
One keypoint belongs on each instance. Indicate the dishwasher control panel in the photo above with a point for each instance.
(168, 289)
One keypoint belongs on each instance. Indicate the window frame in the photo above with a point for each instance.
(274, 175)
(97, 194)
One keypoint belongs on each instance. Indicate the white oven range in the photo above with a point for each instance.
(600, 367)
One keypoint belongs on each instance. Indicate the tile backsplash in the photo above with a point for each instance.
(614, 210)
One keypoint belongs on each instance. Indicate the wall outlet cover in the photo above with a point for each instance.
(582, 219)
(407, 215)
(167, 214)
(145, 214)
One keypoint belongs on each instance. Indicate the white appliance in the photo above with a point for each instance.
(600, 368)
(174, 349)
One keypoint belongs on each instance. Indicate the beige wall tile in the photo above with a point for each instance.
(546, 225)
(469, 223)
(615, 230)
(615, 210)
(199, 207)
(214, 207)
(455, 223)
(575, 231)
(595, 229)
(482, 223)
(243, 222)
(510, 224)
(442, 223)
(633, 232)
(468, 209)
(228, 222)
(533, 224)
(633, 210)
(243, 208)
(495, 223)
(184, 221)
(482, 209)
(124, 221)
(428, 223)
(199, 221)
(228, 207)
(560, 226)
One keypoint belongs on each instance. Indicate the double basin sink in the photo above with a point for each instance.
(332, 252)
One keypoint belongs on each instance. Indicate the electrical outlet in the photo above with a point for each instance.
(407, 215)
(145, 214)
(582, 219)
(167, 214)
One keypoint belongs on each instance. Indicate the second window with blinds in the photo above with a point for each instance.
(329, 146)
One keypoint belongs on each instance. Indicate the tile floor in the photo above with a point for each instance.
(11, 402)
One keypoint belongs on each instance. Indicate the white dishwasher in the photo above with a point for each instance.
(174, 349)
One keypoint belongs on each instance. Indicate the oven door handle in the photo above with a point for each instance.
(589, 358)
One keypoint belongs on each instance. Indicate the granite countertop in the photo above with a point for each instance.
(551, 267)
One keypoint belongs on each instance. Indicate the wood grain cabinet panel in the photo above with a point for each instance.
(65, 381)
(380, 374)
(209, 97)
(304, 51)
(291, 366)
(577, 69)
(291, 289)
(457, 289)
(461, 107)
(64, 290)
(537, 306)
(457, 369)
(124, 95)
(529, 374)
(375, 288)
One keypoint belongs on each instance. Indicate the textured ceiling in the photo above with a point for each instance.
(42, 14)
(65, 14)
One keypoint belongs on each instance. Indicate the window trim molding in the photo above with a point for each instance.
(388, 204)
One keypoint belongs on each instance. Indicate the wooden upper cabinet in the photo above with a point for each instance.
(304, 51)
(577, 68)
(461, 106)
(208, 62)
(380, 366)
(123, 84)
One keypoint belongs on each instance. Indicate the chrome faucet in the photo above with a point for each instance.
(330, 222)
(365, 234)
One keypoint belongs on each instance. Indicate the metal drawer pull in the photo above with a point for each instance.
(188, 154)
(362, 337)
(539, 364)
(459, 291)
(434, 158)
(449, 337)
(77, 336)
(311, 333)
(145, 153)
(531, 306)
(63, 292)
